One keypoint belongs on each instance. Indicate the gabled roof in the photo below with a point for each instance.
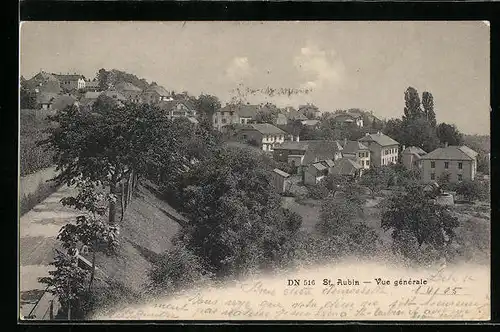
(353, 146)
(280, 172)
(126, 86)
(289, 145)
(328, 162)
(44, 76)
(310, 122)
(243, 110)
(451, 152)
(319, 166)
(378, 138)
(346, 166)
(114, 94)
(321, 150)
(69, 77)
(295, 115)
(158, 89)
(414, 150)
(266, 128)
(46, 97)
(63, 101)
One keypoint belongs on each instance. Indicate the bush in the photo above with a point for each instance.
(317, 191)
(176, 269)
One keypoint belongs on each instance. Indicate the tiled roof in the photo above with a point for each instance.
(321, 150)
(353, 147)
(329, 162)
(451, 152)
(289, 145)
(346, 166)
(115, 95)
(68, 77)
(126, 86)
(243, 110)
(414, 150)
(266, 128)
(158, 89)
(319, 166)
(379, 138)
(280, 172)
(46, 97)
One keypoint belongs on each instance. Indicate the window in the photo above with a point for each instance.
(433, 176)
(460, 177)
(433, 164)
(367, 163)
(224, 120)
(460, 165)
(215, 120)
(362, 163)
(446, 164)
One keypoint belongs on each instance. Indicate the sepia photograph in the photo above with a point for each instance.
(254, 171)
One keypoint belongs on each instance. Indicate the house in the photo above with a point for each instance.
(178, 109)
(411, 156)
(309, 111)
(44, 100)
(383, 149)
(314, 173)
(44, 82)
(70, 82)
(460, 162)
(92, 85)
(304, 153)
(347, 167)
(114, 95)
(293, 115)
(358, 152)
(281, 120)
(281, 181)
(129, 91)
(310, 123)
(155, 94)
(348, 119)
(265, 135)
(234, 114)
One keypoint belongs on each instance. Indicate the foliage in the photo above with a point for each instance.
(376, 178)
(428, 105)
(412, 214)
(472, 190)
(237, 222)
(265, 117)
(318, 190)
(68, 283)
(334, 182)
(113, 77)
(449, 134)
(27, 97)
(176, 269)
(336, 216)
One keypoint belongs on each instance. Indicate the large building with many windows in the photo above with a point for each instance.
(383, 149)
(456, 162)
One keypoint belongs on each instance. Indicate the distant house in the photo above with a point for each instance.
(44, 82)
(281, 119)
(281, 181)
(293, 115)
(114, 95)
(314, 173)
(347, 167)
(348, 118)
(178, 109)
(45, 100)
(129, 91)
(411, 156)
(304, 153)
(234, 114)
(383, 149)
(460, 162)
(71, 82)
(265, 135)
(155, 94)
(310, 123)
(358, 152)
(92, 85)
(309, 111)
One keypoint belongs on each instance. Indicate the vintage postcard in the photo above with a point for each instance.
(292, 170)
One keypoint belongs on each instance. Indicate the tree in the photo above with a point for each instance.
(68, 283)
(27, 97)
(471, 190)
(102, 77)
(412, 108)
(412, 214)
(207, 105)
(265, 117)
(449, 134)
(334, 183)
(236, 219)
(336, 216)
(376, 178)
(428, 104)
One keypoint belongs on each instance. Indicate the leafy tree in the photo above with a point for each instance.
(265, 117)
(237, 222)
(443, 180)
(334, 183)
(412, 214)
(337, 216)
(102, 77)
(412, 108)
(428, 104)
(68, 283)
(449, 134)
(472, 190)
(206, 106)
(376, 179)
(418, 132)
(27, 97)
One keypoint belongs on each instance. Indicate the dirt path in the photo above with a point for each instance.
(38, 230)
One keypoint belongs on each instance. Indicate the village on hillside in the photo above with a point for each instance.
(203, 191)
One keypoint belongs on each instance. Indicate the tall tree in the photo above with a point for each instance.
(448, 133)
(102, 77)
(428, 105)
(412, 108)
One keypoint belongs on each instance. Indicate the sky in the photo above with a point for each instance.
(343, 64)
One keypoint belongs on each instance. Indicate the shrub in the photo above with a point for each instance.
(317, 191)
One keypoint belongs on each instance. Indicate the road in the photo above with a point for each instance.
(38, 230)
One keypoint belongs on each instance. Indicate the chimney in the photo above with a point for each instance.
(445, 144)
(403, 148)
